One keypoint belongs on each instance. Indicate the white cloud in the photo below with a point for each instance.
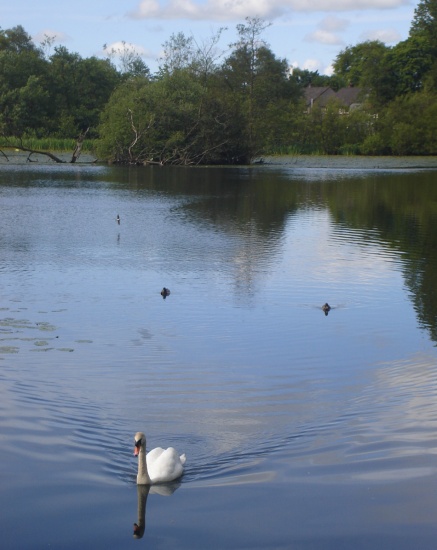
(384, 35)
(334, 24)
(119, 48)
(237, 9)
(323, 37)
(211, 9)
(326, 31)
(148, 8)
(312, 65)
(54, 36)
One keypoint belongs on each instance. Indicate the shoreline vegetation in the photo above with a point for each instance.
(207, 105)
(296, 161)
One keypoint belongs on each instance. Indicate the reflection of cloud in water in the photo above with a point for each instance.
(385, 431)
(237, 479)
(338, 254)
(395, 474)
(400, 423)
(408, 390)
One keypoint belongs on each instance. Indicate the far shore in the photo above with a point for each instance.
(10, 157)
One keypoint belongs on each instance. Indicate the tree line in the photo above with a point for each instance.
(205, 106)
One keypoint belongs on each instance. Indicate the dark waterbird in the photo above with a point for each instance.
(118, 219)
(165, 292)
(326, 308)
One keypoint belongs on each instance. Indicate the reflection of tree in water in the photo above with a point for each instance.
(241, 211)
(251, 207)
(403, 209)
(250, 213)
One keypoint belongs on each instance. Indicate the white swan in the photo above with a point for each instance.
(158, 465)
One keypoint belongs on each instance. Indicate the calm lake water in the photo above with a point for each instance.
(302, 430)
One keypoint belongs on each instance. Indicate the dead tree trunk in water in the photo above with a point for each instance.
(78, 149)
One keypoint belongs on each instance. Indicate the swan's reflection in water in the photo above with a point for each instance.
(165, 490)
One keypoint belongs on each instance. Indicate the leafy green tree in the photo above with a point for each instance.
(126, 128)
(424, 25)
(79, 89)
(425, 20)
(23, 70)
(16, 40)
(207, 55)
(255, 80)
(304, 78)
(30, 110)
(332, 128)
(167, 120)
(183, 52)
(178, 53)
(130, 62)
(387, 72)
(358, 65)
(242, 70)
(96, 80)
(410, 124)
(408, 64)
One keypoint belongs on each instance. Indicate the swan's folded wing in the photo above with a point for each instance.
(164, 465)
(154, 455)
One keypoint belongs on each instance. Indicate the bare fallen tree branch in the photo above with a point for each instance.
(38, 152)
(20, 147)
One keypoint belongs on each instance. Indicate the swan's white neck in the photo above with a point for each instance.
(143, 477)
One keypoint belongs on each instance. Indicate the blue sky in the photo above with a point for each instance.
(308, 33)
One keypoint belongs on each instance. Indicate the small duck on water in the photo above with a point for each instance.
(326, 308)
(118, 219)
(165, 292)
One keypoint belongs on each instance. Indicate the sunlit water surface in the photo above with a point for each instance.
(302, 430)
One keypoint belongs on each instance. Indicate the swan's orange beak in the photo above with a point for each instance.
(137, 447)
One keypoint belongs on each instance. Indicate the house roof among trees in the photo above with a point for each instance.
(350, 95)
(322, 94)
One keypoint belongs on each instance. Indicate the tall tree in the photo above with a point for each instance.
(178, 53)
(359, 64)
(79, 89)
(185, 52)
(424, 25)
(425, 20)
(16, 40)
(256, 79)
(23, 71)
(408, 63)
(130, 62)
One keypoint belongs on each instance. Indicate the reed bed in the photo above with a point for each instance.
(52, 144)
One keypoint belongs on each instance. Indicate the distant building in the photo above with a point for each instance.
(350, 97)
(319, 95)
